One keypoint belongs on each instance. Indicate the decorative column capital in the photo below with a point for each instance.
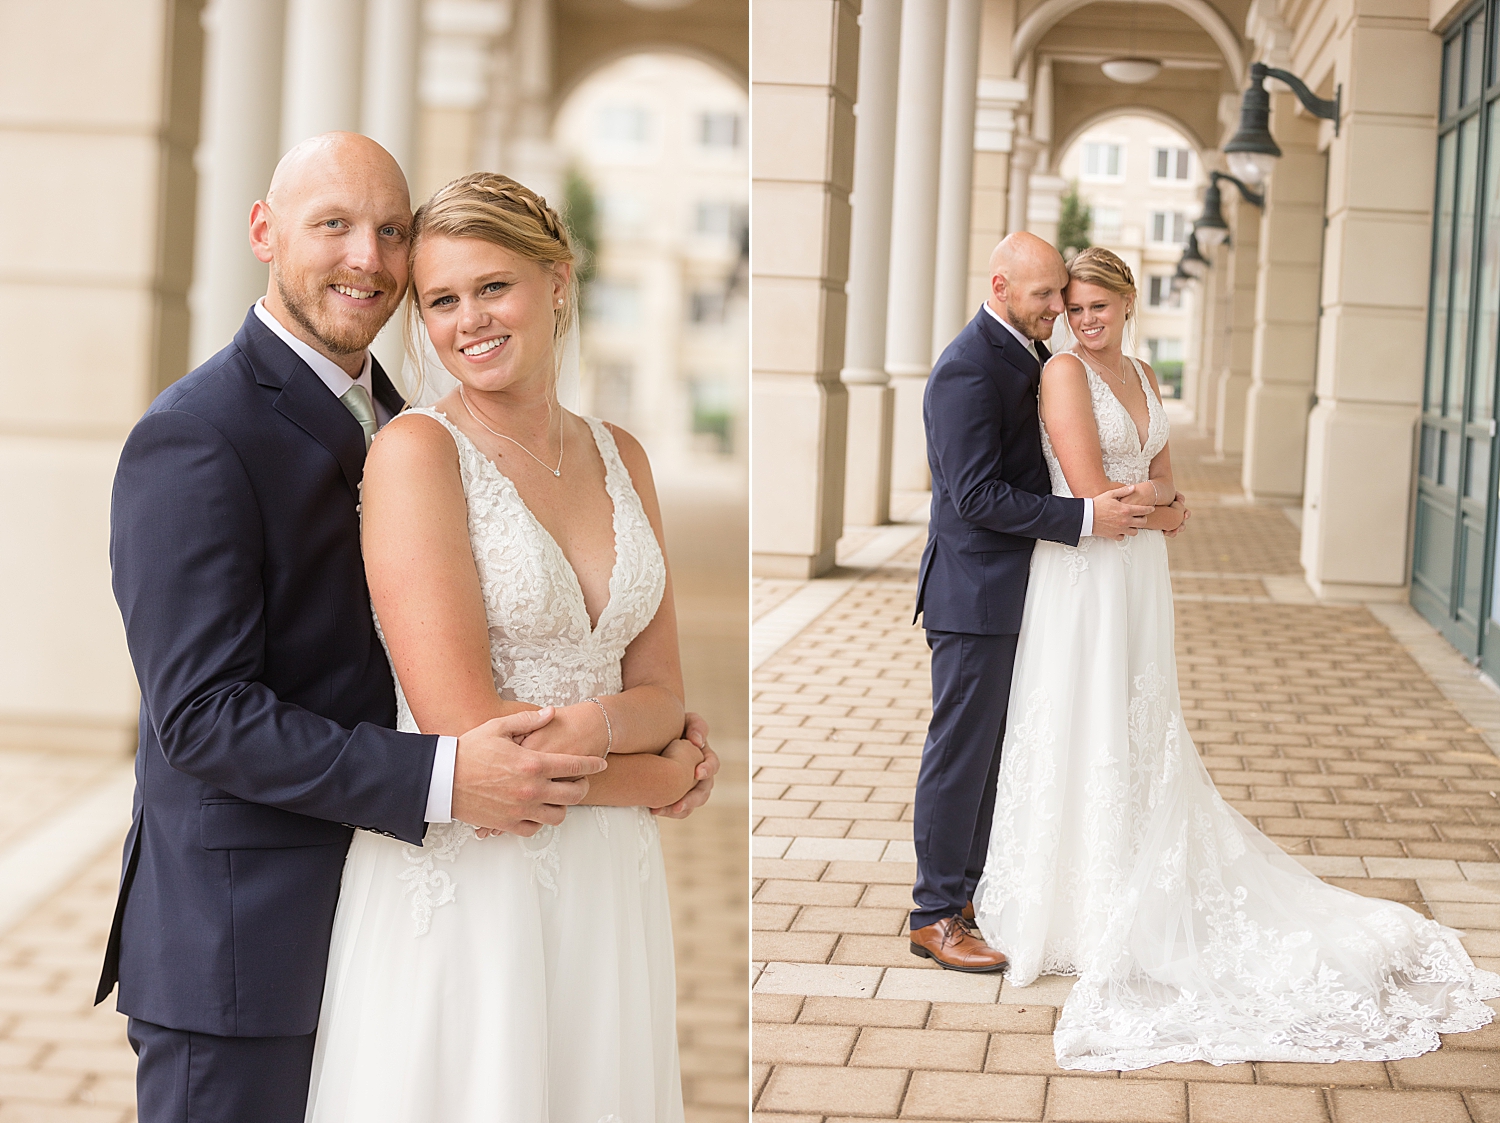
(995, 103)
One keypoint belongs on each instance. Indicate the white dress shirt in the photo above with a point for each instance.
(1030, 345)
(440, 788)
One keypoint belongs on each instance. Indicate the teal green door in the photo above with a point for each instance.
(1453, 547)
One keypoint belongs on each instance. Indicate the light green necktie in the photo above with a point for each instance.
(356, 400)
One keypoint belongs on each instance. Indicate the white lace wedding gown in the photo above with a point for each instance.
(511, 980)
(1112, 856)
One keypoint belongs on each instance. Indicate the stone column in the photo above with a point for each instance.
(806, 54)
(1211, 292)
(1192, 360)
(393, 41)
(240, 145)
(1044, 205)
(1285, 346)
(324, 57)
(908, 349)
(867, 475)
(457, 78)
(1376, 265)
(99, 181)
(1000, 95)
(393, 44)
(1023, 156)
(1242, 269)
(950, 305)
(536, 162)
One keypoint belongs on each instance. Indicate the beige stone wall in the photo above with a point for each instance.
(94, 272)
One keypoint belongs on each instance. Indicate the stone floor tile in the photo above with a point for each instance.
(829, 1090)
(868, 921)
(880, 951)
(938, 986)
(974, 1096)
(775, 1007)
(1368, 1074)
(1484, 1107)
(793, 947)
(1448, 1068)
(874, 872)
(1257, 1103)
(864, 1012)
(926, 1049)
(995, 1019)
(1028, 1053)
(1419, 868)
(779, 892)
(1357, 1105)
(1076, 1099)
(817, 978)
(797, 1043)
(1196, 1072)
(1470, 892)
(836, 849)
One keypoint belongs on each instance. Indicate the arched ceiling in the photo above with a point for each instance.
(1219, 21)
(599, 31)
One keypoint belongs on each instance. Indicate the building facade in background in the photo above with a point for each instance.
(1140, 179)
(660, 144)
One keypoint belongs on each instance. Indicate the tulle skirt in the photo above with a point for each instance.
(1113, 857)
(502, 980)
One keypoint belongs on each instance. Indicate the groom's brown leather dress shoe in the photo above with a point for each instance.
(951, 943)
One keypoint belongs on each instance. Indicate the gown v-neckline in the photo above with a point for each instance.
(1141, 440)
(548, 538)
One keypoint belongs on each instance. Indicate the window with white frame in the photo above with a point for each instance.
(1103, 159)
(1169, 228)
(718, 130)
(622, 123)
(1170, 163)
(1159, 292)
(1107, 223)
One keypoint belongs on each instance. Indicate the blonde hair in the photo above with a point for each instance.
(1099, 266)
(497, 209)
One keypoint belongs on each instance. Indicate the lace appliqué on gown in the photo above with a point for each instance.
(1113, 857)
(543, 647)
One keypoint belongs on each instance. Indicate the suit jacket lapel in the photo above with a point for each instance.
(385, 390)
(1010, 348)
(304, 400)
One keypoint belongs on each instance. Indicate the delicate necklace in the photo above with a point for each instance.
(1120, 378)
(555, 471)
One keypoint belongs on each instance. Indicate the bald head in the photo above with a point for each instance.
(347, 157)
(1027, 277)
(334, 227)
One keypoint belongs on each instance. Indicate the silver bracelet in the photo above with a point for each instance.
(1155, 492)
(609, 730)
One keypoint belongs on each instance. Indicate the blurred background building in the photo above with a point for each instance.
(136, 134)
(1337, 330)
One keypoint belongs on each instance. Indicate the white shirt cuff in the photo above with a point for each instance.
(440, 793)
(1088, 528)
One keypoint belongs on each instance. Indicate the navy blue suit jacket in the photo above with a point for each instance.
(266, 700)
(991, 495)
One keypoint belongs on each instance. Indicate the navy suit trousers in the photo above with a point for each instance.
(960, 764)
(184, 1077)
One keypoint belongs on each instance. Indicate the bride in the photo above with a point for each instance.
(515, 561)
(1112, 856)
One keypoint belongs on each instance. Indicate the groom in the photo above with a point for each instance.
(267, 704)
(991, 501)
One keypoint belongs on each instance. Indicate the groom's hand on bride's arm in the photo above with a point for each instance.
(500, 785)
(695, 730)
(1179, 501)
(1115, 516)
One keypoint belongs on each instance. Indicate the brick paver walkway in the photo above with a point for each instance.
(65, 1061)
(1315, 722)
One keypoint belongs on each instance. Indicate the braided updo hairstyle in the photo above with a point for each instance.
(496, 209)
(1099, 266)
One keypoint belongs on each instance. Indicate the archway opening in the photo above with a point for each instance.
(656, 182)
(1133, 182)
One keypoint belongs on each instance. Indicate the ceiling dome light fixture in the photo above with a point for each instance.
(1131, 71)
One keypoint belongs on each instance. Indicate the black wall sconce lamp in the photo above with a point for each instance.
(1253, 151)
(1193, 265)
(1211, 230)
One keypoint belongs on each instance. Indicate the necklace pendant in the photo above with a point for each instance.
(557, 472)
